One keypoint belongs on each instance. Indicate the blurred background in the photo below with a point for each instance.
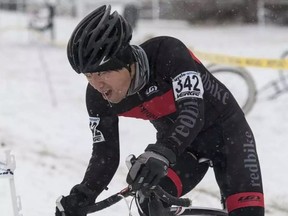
(192, 11)
(43, 117)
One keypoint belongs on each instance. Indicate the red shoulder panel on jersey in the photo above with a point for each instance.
(153, 109)
(194, 57)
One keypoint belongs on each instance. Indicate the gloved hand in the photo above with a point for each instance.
(80, 196)
(150, 167)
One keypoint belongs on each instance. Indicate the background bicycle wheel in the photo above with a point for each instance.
(239, 82)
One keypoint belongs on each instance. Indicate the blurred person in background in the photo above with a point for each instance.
(43, 19)
(195, 115)
(131, 14)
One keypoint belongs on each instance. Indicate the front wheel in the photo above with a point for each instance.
(199, 211)
(240, 83)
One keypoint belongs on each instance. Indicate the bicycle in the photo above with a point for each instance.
(243, 87)
(179, 206)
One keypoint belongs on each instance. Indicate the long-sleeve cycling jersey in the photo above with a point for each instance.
(181, 100)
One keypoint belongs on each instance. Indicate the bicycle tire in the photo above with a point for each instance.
(242, 74)
(198, 211)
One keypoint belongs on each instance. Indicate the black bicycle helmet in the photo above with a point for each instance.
(97, 40)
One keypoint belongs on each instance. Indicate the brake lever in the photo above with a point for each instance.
(130, 160)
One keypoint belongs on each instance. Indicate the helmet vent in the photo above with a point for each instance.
(85, 42)
(112, 33)
(99, 35)
(100, 53)
(112, 50)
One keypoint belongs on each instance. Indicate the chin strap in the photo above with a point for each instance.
(142, 71)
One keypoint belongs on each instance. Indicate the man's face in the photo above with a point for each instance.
(113, 85)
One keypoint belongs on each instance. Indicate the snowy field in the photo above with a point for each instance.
(43, 117)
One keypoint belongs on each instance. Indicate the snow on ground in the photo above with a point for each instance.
(43, 117)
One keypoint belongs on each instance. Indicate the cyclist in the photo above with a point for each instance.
(194, 114)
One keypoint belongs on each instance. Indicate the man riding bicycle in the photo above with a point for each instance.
(194, 114)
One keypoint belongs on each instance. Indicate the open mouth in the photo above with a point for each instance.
(107, 94)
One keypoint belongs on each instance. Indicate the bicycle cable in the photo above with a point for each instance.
(127, 204)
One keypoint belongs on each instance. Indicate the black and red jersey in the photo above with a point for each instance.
(181, 99)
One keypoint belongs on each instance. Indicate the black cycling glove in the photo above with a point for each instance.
(80, 196)
(150, 167)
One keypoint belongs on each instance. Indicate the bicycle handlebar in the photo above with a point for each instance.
(159, 192)
(108, 201)
(171, 200)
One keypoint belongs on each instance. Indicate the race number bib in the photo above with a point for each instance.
(188, 85)
(97, 134)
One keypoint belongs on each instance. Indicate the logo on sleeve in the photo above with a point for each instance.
(97, 134)
(151, 90)
(188, 85)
